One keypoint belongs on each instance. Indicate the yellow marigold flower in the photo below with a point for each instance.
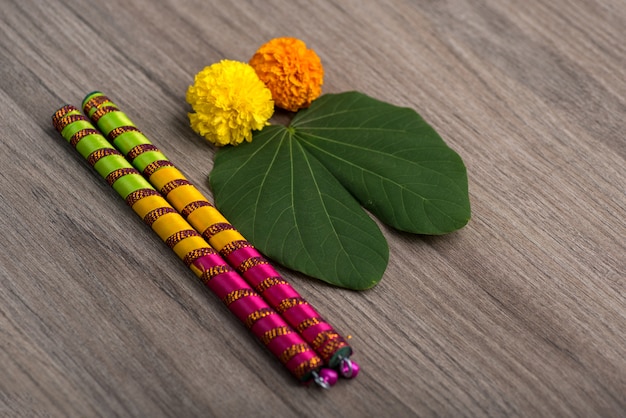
(229, 101)
(293, 73)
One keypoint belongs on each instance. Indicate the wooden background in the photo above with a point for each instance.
(521, 313)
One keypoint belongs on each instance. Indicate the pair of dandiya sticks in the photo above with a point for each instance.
(206, 242)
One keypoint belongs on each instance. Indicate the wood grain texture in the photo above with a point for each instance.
(521, 313)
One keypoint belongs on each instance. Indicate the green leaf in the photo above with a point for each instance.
(296, 193)
(390, 159)
(294, 211)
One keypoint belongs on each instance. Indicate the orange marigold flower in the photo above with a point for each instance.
(293, 73)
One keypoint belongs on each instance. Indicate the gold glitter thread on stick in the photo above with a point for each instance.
(274, 281)
(155, 214)
(193, 255)
(238, 294)
(243, 301)
(216, 229)
(271, 334)
(256, 316)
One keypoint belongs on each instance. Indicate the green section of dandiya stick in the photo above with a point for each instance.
(130, 183)
(74, 127)
(126, 141)
(144, 159)
(89, 144)
(106, 165)
(92, 95)
(112, 120)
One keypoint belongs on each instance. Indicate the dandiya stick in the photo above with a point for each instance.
(243, 301)
(216, 229)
